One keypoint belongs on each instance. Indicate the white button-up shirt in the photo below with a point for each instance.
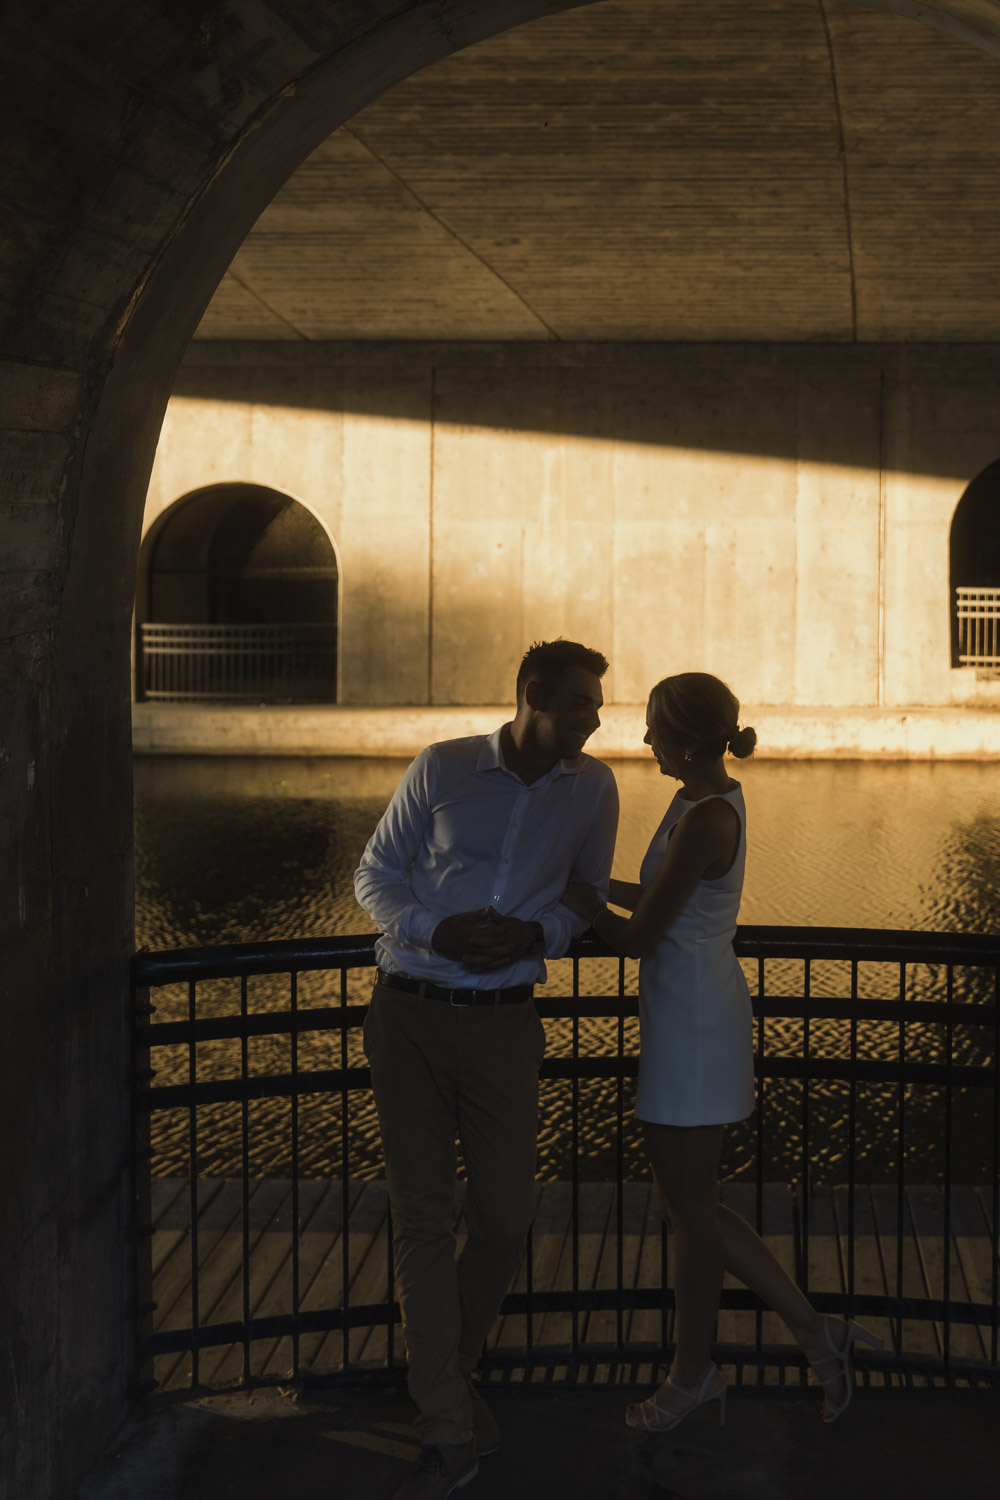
(463, 832)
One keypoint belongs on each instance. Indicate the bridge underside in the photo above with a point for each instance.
(141, 146)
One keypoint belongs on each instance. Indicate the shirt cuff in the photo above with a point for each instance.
(558, 932)
(419, 927)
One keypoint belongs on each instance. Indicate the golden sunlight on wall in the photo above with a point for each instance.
(789, 533)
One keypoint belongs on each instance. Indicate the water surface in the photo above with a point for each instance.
(230, 849)
(235, 849)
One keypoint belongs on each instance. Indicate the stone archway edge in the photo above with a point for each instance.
(136, 181)
(822, 733)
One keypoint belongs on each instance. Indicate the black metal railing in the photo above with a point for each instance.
(872, 1162)
(238, 663)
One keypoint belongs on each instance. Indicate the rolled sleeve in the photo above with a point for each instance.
(592, 865)
(382, 880)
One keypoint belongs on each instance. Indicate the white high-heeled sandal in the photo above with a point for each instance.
(844, 1360)
(650, 1416)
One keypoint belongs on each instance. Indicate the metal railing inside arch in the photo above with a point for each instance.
(262, 1232)
(249, 664)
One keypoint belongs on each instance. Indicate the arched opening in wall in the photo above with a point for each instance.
(975, 575)
(237, 602)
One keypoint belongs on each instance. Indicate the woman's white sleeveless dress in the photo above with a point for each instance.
(695, 1015)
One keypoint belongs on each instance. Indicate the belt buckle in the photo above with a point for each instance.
(458, 1004)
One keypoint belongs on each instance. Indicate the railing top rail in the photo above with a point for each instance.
(868, 944)
(281, 956)
(222, 628)
(871, 945)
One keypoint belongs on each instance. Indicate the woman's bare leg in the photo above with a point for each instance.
(685, 1163)
(750, 1261)
(710, 1239)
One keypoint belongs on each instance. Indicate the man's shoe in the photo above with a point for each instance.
(439, 1472)
(484, 1423)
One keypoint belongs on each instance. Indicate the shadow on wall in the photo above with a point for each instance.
(823, 403)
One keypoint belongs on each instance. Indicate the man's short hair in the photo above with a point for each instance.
(548, 661)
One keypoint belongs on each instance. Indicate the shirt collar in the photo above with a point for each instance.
(491, 759)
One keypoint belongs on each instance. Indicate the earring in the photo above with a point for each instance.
(687, 755)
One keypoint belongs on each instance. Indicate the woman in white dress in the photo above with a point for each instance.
(696, 1054)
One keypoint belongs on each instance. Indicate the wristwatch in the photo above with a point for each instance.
(537, 948)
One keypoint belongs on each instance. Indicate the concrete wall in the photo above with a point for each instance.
(140, 155)
(776, 514)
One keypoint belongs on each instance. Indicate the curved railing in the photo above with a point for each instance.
(871, 1165)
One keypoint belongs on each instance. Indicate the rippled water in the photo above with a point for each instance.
(236, 849)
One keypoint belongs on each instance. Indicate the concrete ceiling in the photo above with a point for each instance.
(650, 169)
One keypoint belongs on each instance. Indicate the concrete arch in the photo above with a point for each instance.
(158, 525)
(140, 156)
(151, 532)
(974, 555)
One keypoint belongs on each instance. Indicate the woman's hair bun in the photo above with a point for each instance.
(742, 742)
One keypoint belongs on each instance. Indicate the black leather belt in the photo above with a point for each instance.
(517, 994)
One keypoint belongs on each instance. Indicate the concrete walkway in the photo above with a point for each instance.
(966, 732)
(356, 1444)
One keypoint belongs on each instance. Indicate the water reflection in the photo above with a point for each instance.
(236, 849)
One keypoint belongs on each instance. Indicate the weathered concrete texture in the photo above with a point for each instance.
(356, 1445)
(719, 196)
(784, 734)
(141, 143)
(777, 514)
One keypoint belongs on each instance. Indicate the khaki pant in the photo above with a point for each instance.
(441, 1071)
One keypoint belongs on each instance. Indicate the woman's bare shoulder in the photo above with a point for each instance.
(711, 813)
(711, 825)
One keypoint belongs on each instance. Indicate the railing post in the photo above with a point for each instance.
(139, 1201)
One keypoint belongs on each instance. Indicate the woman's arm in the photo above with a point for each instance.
(704, 837)
(624, 893)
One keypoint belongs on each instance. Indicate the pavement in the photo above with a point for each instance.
(357, 1443)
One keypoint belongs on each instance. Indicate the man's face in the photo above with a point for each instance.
(571, 712)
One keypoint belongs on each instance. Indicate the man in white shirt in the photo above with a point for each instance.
(464, 875)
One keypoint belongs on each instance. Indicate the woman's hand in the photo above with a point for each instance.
(582, 898)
